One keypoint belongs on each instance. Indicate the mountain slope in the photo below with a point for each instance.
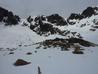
(55, 48)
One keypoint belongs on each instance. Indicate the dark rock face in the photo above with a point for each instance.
(44, 28)
(42, 18)
(57, 20)
(29, 19)
(21, 62)
(88, 12)
(8, 17)
(75, 16)
(54, 19)
(3, 13)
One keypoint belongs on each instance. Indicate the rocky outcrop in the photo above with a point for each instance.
(8, 17)
(49, 25)
(81, 42)
(29, 19)
(43, 26)
(88, 12)
(65, 44)
(46, 29)
(57, 20)
(75, 16)
(42, 18)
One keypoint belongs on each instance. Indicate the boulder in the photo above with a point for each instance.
(20, 62)
(78, 52)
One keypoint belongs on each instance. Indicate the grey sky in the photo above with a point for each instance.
(46, 7)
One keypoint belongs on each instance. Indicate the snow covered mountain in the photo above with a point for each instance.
(63, 39)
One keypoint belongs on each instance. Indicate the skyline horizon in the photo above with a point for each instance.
(46, 7)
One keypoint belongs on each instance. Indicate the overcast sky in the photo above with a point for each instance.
(46, 7)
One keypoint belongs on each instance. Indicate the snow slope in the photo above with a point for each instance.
(20, 39)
